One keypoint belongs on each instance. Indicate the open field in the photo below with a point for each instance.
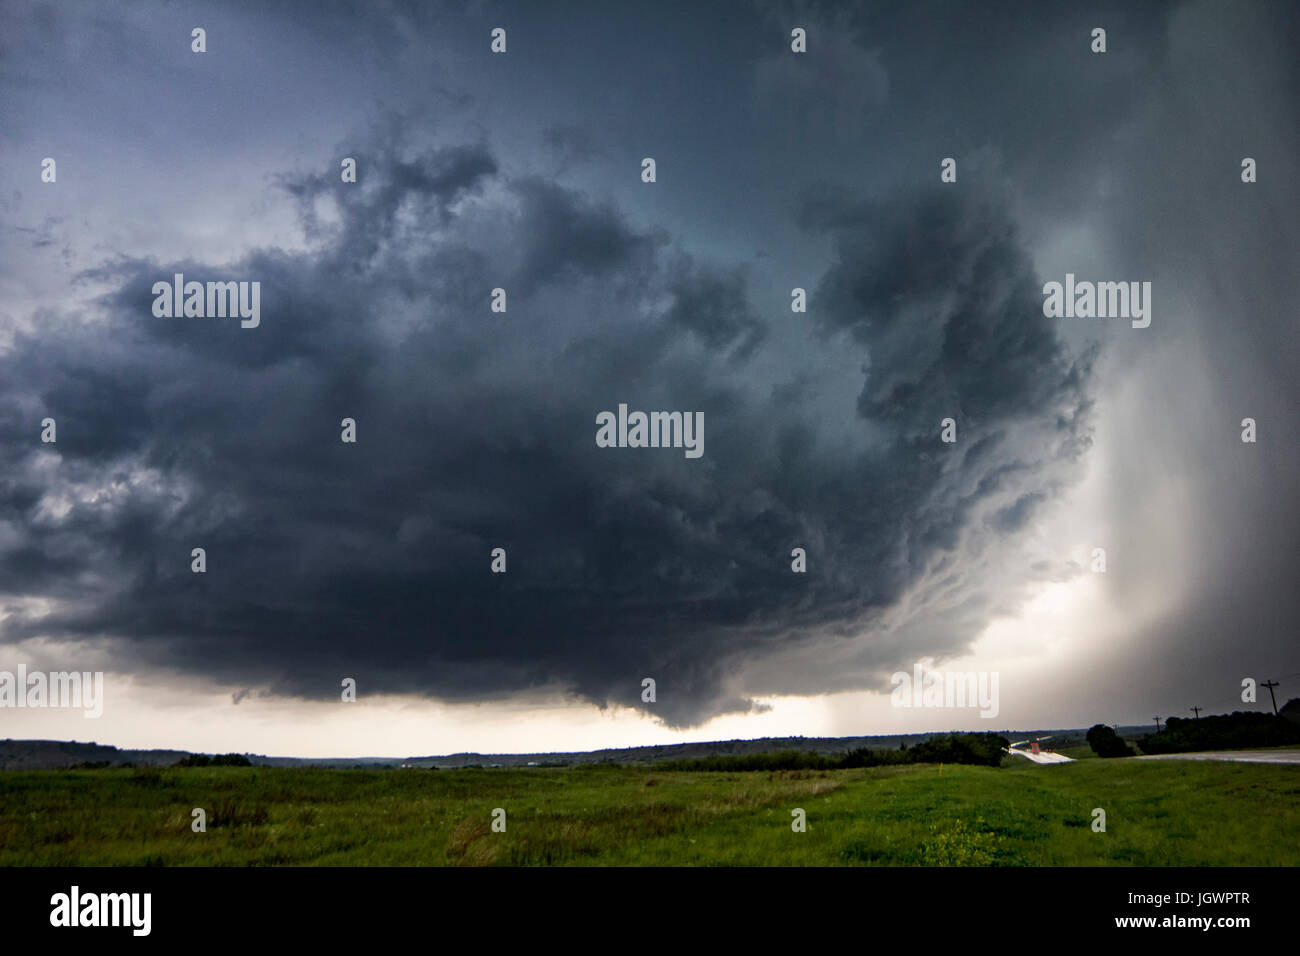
(1157, 813)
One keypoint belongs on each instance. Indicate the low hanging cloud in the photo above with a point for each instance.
(475, 430)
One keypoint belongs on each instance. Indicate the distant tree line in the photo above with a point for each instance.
(1233, 731)
(220, 760)
(978, 749)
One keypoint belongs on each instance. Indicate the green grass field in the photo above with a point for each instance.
(1157, 813)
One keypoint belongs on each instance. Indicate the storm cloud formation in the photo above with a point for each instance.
(475, 429)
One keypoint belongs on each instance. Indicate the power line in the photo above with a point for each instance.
(1270, 684)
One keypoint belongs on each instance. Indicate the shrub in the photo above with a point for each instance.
(1106, 743)
(980, 749)
(1233, 731)
(221, 760)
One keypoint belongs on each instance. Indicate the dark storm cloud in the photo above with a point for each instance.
(948, 307)
(476, 430)
(563, 235)
(434, 179)
(1137, 152)
(711, 303)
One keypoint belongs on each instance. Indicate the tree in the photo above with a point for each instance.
(1106, 743)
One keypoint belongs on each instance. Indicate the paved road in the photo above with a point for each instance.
(1238, 756)
(1042, 756)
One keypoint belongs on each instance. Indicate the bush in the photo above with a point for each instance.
(1106, 743)
(221, 760)
(1233, 731)
(978, 749)
(780, 760)
(866, 757)
(231, 760)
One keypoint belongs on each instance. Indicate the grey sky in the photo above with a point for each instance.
(476, 430)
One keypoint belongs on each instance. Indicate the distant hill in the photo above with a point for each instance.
(58, 754)
(692, 751)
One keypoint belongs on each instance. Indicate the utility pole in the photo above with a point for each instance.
(1270, 684)
(1157, 720)
(1197, 712)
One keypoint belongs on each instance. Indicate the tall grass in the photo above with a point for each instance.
(1157, 813)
